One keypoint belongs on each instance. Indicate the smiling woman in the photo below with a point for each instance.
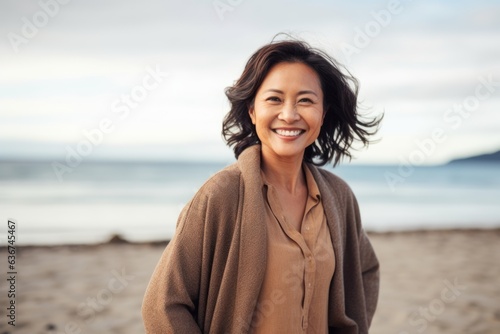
(288, 111)
(272, 243)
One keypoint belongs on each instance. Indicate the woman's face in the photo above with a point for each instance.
(288, 111)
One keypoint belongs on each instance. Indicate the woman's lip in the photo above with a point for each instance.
(288, 133)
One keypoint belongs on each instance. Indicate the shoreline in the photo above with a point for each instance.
(117, 239)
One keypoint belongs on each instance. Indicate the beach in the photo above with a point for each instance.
(431, 282)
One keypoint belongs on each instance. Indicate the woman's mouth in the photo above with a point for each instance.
(288, 133)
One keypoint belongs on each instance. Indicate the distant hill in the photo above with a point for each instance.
(489, 158)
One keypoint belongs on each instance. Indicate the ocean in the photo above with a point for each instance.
(141, 201)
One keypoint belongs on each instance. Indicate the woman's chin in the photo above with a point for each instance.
(285, 152)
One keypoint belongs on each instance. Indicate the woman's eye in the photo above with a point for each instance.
(273, 99)
(305, 100)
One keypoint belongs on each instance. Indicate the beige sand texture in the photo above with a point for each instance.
(439, 282)
(431, 282)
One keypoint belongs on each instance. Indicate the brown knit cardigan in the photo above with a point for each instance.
(209, 276)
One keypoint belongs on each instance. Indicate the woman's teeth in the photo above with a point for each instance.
(288, 133)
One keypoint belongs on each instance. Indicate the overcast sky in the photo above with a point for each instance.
(67, 68)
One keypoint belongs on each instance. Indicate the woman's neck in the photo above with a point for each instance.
(285, 174)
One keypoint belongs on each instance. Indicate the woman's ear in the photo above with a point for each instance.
(251, 112)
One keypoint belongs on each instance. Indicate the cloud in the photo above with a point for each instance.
(65, 79)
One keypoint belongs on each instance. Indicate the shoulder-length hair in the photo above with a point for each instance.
(342, 124)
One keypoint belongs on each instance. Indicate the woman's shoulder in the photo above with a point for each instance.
(224, 183)
(217, 193)
(214, 202)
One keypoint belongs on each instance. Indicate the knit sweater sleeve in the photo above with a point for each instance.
(170, 302)
(371, 277)
(183, 293)
(369, 268)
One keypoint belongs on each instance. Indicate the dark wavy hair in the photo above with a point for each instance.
(342, 124)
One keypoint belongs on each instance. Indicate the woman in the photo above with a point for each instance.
(272, 243)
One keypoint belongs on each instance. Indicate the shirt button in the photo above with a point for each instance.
(309, 285)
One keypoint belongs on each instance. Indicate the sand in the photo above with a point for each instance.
(431, 282)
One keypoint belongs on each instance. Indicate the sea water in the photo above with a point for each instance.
(141, 201)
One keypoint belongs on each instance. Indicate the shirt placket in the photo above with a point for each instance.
(306, 241)
(309, 278)
(309, 236)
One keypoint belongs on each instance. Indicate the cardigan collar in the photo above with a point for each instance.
(249, 163)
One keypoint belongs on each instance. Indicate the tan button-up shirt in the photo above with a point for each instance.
(300, 267)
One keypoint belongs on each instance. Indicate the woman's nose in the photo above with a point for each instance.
(289, 113)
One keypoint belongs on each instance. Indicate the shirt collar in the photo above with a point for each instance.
(312, 186)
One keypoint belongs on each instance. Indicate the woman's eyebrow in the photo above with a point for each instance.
(307, 92)
(272, 90)
(302, 92)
